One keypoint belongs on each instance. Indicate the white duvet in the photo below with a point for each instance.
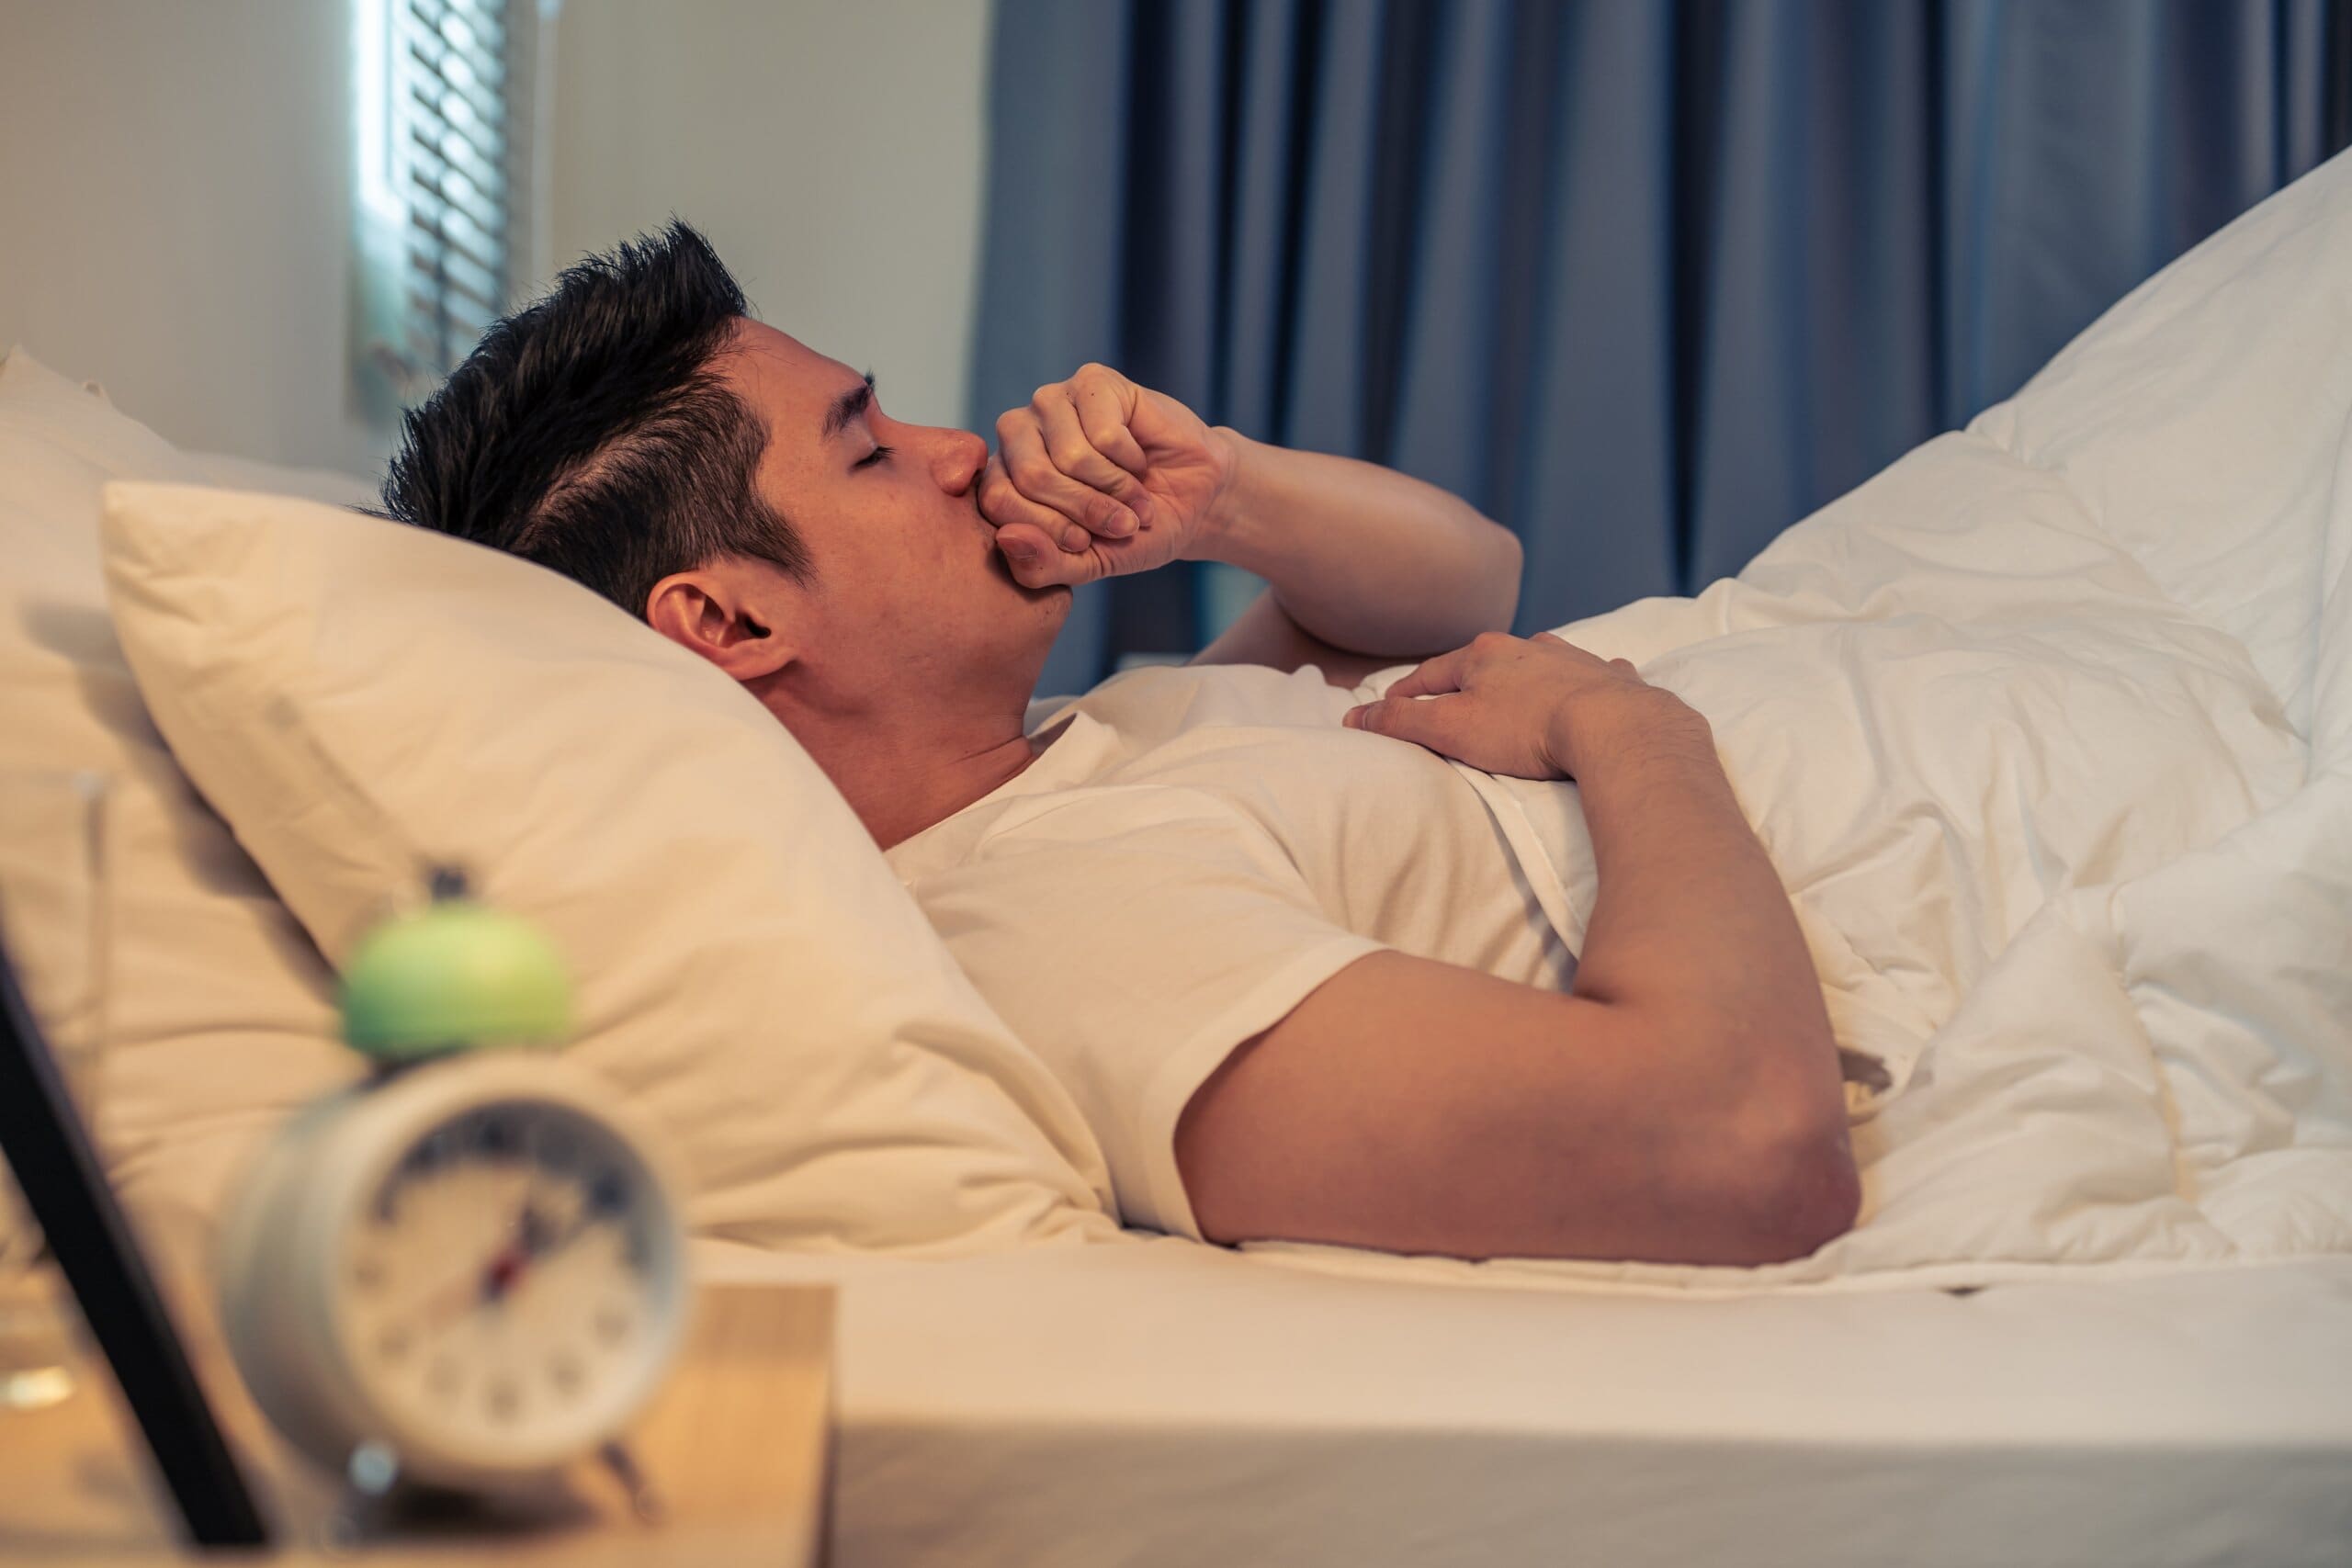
(2048, 728)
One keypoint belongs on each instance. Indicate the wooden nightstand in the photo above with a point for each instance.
(736, 1447)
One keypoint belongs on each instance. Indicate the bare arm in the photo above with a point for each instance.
(1693, 926)
(1364, 559)
(1421, 1107)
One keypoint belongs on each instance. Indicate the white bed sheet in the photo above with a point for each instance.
(1167, 1403)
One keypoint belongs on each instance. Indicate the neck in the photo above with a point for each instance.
(900, 780)
(904, 763)
(899, 796)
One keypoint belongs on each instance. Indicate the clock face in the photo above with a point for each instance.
(506, 1289)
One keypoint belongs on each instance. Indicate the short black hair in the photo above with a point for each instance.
(591, 432)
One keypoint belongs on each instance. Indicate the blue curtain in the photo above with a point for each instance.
(1645, 281)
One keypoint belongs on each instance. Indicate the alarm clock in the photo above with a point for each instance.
(467, 1272)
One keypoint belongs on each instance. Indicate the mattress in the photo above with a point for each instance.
(1168, 1402)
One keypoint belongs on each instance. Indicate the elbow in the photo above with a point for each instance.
(1812, 1194)
(1513, 561)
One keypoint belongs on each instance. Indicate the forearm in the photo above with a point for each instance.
(1362, 556)
(1693, 926)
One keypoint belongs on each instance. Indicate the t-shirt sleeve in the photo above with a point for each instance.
(1133, 939)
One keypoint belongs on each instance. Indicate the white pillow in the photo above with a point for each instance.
(219, 1010)
(360, 697)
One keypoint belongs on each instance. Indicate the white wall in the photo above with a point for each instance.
(832, 151)
(174, 215)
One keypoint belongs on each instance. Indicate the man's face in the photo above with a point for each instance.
(908, 584)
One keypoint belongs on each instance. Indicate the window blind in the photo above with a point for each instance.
(445, 114)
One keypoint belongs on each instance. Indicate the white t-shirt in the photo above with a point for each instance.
(1199, 848)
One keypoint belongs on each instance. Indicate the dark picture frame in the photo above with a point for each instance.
(65, 1186)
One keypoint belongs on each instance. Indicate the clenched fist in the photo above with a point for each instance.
(1098, 477)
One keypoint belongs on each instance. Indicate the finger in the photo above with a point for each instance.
(1023, 543)
(1442, 673)
(1105, 399)
(1034, 560)
(1003, 505)
(1075, 454)
(1021, 443)
(1021, 456)
(1434, 722)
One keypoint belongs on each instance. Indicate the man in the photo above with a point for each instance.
(1289, 962)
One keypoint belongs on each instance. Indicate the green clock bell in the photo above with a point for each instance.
(454, 975)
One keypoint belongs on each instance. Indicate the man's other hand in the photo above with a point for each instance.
(1097, 477)
(1535, 708)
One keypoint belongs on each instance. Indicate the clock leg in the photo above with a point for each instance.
(644, 1500)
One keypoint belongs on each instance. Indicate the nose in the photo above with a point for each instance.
(962, 456)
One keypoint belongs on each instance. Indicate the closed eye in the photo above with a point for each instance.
(874, 457)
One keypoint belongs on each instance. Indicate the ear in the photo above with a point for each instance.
(728, 613)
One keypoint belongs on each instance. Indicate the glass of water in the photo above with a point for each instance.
(53, 919)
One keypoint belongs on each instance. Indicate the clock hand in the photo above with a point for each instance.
(534, 1238)
(539, 1240)
(482, 1282)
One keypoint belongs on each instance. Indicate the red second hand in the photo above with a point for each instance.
(504, 1269)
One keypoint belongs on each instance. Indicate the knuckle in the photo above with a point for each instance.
(1487, 642)
(1045, 393)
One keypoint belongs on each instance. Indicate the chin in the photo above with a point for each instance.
(1054, 604)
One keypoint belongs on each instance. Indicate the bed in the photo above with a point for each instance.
(2048, 729)
(2089, 911)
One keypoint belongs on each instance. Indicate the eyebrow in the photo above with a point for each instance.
(848, 406)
